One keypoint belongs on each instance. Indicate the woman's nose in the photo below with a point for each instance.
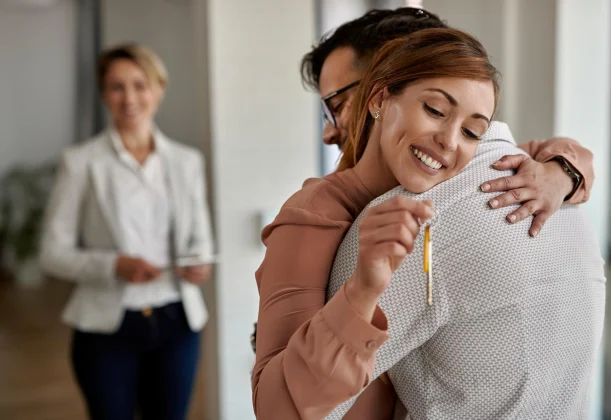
(448, 138)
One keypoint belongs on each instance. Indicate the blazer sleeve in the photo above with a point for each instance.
(580, 157)
(60, 255)
(202, 239)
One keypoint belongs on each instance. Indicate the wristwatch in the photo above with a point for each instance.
(571, 172)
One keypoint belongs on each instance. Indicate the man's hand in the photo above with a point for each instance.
(540, 187)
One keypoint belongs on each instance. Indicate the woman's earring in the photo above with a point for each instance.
(376, 114)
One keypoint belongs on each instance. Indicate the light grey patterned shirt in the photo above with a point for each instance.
(516, 322)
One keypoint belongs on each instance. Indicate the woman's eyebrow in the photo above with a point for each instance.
(454, 102)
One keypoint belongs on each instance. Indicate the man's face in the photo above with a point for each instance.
(338, 71)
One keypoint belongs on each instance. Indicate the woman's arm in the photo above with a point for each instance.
(310, 358)
(60, 256)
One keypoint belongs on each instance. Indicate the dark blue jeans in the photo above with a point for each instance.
(148, 366)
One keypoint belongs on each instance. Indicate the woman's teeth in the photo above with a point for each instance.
(426, 159)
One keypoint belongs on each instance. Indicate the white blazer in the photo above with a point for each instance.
(82, 239)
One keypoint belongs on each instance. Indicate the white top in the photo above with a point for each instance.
(515, 325)
(144, 216)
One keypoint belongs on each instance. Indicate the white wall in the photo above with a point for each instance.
(37, 83)
(265, 144)
(583, 91)
(166, 27)
(583, 109)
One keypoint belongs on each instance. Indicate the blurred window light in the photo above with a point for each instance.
(27, 4)
(414, 3)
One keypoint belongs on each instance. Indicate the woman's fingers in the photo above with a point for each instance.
(515, 196)
(505, 183)
(509, 162)
(394, 221)
(527, 209)
(396, 232)
(419, 209)
(530, 208)
(538, 223)
(394, 217)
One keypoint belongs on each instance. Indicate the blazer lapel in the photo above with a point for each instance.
(178, 196)
(104, 190)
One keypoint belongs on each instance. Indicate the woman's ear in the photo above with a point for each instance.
(376, 103)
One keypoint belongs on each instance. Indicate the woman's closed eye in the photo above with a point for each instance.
(470, 134)
(433, 111)
(438, 114)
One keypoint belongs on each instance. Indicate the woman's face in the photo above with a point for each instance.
(430, 131)
(131, 98)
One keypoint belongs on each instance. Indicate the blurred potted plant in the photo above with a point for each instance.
(23, 197)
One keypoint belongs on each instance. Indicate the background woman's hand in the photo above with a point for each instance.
(540, 187)
(196, 274)
(135, 270)
(386, 236)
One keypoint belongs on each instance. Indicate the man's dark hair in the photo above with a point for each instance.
(365, 36)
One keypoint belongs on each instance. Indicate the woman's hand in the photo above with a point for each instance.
(196, 274)
(135, 270)
(386, 236)
(540, 187)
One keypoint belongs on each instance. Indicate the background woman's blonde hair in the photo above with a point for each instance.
(146, 59)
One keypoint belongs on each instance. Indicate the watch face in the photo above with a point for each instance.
(573, 173)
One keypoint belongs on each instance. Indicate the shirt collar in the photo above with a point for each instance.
(124, 155)
(119, 147)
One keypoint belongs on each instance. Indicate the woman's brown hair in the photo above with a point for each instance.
(425, 54)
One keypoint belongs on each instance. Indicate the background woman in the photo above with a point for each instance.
(128, 223)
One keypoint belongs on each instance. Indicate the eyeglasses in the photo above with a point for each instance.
(326, 107)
